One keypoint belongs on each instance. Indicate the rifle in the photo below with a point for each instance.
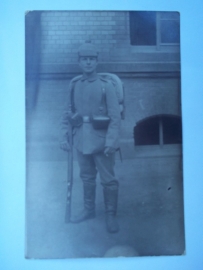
(74, 119)
(70, 176)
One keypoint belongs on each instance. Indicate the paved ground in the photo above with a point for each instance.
(150, 210)
(150, 213)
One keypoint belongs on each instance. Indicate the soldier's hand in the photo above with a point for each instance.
(65, 146)
(109, 150)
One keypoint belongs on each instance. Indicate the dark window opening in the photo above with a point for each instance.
(143, 27)
(158, 130)
(172, 130)
(147, 132)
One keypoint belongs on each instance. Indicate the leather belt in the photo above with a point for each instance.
(86, 119)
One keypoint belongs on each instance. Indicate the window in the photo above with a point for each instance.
(151, 28)
(143, 28)
(158, 130)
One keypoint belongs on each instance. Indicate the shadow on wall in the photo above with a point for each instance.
(32, 56)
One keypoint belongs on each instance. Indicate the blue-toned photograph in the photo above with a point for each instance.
(104, 170)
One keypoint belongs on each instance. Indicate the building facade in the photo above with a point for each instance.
(142, 48)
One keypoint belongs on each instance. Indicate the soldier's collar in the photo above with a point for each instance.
(92, 78)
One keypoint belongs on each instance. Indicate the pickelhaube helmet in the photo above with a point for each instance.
(88, 49)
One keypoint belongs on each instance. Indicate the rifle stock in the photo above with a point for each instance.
(70, 177)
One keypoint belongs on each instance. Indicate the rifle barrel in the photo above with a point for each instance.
(70, 177)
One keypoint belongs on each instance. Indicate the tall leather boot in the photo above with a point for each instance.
(89, 204)
(110, 200)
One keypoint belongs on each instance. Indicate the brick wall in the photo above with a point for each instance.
(63, 32)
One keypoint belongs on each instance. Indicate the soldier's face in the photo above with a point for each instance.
(88, 64)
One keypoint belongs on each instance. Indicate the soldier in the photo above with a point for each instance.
(95, 147)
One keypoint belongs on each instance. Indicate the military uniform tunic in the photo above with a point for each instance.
(87, 101)
(91, 142)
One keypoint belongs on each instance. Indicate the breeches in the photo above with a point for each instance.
(90, 164)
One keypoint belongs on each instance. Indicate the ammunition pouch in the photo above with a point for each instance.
(100, 121)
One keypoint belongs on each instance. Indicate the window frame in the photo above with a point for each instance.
(160, 46)
(160, 119)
